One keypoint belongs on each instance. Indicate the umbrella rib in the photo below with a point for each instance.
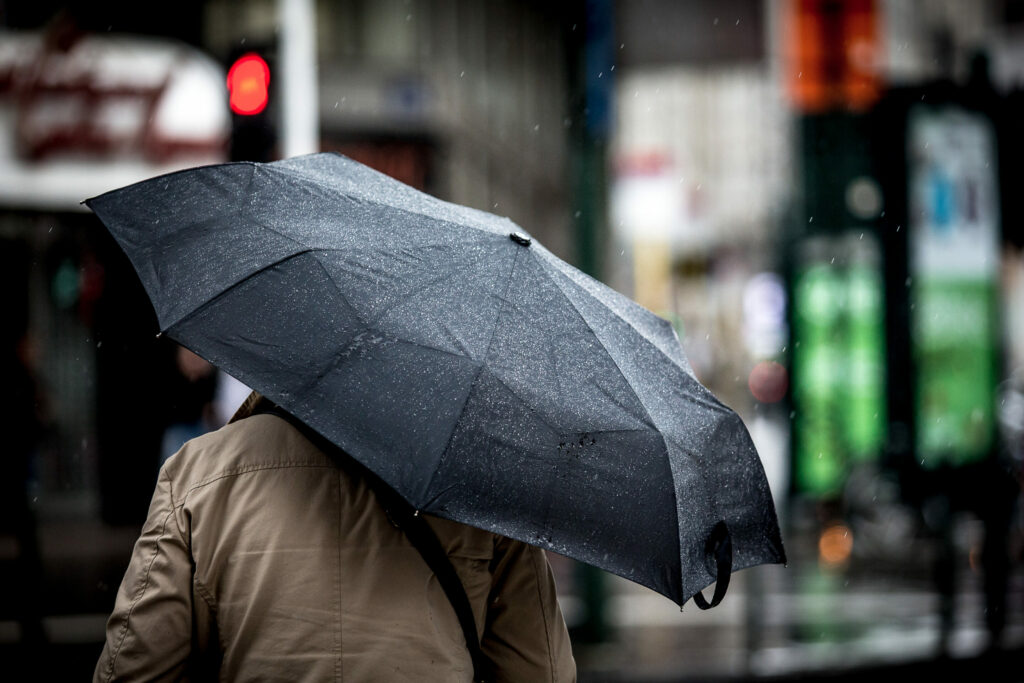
(564, 269)
(614, 399)
(279, 233)
(403, 296)
(369, 326)
(329, 276)
(571, 303)
(710, 400)
(476, 225)
(480, 370)
(375, 323)
(525, 403)
(659, 432)
(221, 294)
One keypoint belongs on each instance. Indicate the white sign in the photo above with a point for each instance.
(953, 203)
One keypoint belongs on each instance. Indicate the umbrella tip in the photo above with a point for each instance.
(520, 238)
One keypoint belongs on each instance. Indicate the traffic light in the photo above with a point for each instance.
(253, 129)
(249, 84)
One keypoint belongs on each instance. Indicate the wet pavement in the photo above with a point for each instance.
(770, 632)
(864, 620)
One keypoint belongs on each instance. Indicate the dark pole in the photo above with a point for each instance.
(590, 47)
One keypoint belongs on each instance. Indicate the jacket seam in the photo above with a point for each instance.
(203, 592)
(175, 506)
(138, 596)
(252, 468)
(543, 613)
(339, 671)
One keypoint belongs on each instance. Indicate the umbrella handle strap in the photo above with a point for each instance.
(416, 530)
(719, 546)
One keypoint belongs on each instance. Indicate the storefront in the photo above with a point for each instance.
(79, 115)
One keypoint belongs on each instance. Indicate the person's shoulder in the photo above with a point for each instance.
(257, 442)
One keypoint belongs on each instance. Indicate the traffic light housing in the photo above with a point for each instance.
(253, 114)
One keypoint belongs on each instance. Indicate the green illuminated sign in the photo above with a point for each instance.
(838, 360)
(953, 244)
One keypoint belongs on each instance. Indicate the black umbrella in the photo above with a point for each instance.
(477, 374)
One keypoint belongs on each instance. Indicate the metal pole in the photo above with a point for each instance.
(300, 110)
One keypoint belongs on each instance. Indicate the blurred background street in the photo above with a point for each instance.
(822, 196)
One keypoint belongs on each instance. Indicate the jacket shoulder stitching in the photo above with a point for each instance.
(138, 595)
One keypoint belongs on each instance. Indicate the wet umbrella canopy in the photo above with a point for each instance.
(483, 378)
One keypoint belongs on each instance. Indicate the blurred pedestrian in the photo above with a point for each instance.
(262, 559)
(22, 426)
(190, 398)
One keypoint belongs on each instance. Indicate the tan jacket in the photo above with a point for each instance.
(262, 560)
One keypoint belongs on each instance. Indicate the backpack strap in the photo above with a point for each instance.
(413, 525)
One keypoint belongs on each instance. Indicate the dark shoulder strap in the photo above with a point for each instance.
(416, 529)
(426, 542)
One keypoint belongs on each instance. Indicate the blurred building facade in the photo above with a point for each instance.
(465, 100)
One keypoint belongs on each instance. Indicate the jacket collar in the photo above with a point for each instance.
(250, 405)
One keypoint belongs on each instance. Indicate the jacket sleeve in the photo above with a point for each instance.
(149, 632)
(525, 636)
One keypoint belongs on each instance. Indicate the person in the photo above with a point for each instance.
(262, 559)
(191, 389)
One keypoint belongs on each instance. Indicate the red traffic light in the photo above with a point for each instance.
(248, 83)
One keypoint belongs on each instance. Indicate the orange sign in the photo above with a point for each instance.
(832, 54)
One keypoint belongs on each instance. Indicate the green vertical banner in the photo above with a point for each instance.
(819, 464)
(954, 257)
(864, 412)
(838, 360)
